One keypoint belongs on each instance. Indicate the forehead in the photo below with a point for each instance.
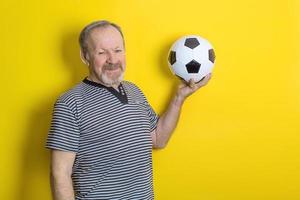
(105, 37)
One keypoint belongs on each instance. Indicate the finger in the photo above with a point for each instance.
(191, 83)
(207, 78)
(204, 81)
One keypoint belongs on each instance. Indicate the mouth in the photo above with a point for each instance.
(110, 70)
(115, 67)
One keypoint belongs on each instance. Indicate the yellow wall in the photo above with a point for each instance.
(238, 138)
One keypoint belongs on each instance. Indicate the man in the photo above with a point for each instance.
(103, 130)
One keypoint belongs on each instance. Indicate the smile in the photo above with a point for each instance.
(112, 69)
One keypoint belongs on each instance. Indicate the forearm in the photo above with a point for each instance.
(62, 187)
(168, 121)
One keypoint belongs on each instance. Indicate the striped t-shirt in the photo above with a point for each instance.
(110, 132)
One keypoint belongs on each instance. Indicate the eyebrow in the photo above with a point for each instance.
(117, 47)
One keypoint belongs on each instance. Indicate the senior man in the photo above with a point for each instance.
(103, 129)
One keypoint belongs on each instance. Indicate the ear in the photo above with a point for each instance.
(84, 58)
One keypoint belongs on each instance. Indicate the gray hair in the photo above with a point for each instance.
(88, 29)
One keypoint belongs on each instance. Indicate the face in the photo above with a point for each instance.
(106, 56)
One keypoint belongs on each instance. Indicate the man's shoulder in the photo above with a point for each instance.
(72, 95)
(131, 85)
(134, 90)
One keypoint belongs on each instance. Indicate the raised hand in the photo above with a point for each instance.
(186, 89)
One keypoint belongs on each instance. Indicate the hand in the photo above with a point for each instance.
(186, 89)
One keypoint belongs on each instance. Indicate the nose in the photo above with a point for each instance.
(111, 58)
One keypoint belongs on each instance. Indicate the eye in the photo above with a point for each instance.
(100, 52)
(118, 50)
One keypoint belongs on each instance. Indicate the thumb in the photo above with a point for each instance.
(192, 83)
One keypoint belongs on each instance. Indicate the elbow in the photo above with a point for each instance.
(160, 138)
(160, 145)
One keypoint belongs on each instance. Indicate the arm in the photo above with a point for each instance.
(60, 175)
(169, 119)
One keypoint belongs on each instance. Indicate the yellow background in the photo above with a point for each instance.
(238, 137)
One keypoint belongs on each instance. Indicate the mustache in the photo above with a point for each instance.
(112, 66)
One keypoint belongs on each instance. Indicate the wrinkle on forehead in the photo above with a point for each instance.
(105, 38)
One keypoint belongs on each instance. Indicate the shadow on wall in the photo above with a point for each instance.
(162, 63)
(34, 180)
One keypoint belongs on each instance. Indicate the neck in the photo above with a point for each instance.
(114, 85)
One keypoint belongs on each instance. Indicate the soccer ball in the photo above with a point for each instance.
(191, 57)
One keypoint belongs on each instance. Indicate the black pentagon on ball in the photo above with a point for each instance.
(211, 55)
(193, 67)
(191, 43)
(172, 57)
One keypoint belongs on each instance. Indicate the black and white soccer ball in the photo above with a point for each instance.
(191, 57)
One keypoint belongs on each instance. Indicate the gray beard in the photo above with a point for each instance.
(108, 81)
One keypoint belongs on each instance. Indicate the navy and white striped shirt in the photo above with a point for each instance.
(110, 133)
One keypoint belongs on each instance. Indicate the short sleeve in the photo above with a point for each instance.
(152, 116)
(64, 131)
